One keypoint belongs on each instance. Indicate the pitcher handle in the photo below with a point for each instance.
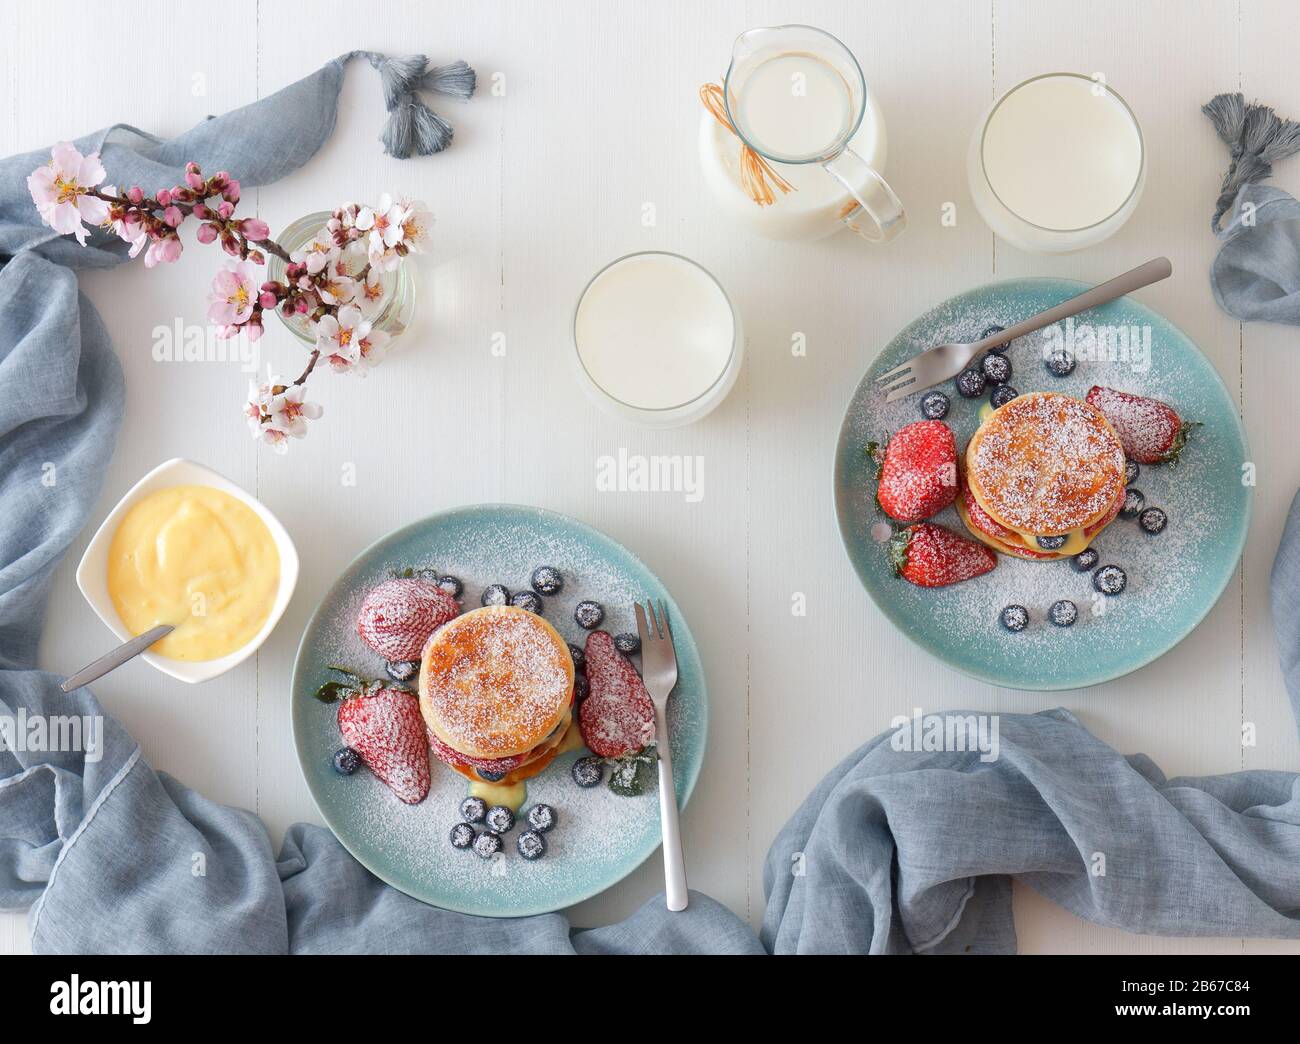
(878, 216)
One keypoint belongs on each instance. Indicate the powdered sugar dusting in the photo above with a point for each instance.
(496, 681)
(601, 835)
(1046, 464)
(1173, 578)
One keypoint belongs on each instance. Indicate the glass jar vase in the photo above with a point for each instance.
(398, 307)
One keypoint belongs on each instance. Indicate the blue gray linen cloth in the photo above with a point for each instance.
(1256, 273)
(893, 851)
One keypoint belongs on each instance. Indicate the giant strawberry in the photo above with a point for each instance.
(931, 556)
(398, 616)
(617, 717)
(1150, 430)
(918, 471)
(383, 724)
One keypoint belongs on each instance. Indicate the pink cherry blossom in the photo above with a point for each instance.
(384, 223)
(254, 230)
(59, 190)
(290, 411)
(417, 226)
(276, 412)
(349, 343)
(336, 284)
(233, 295)
(162, 251)
(370, 293)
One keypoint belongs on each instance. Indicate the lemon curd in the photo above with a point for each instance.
(199, 558)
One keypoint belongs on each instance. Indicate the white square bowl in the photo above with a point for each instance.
(92, 571)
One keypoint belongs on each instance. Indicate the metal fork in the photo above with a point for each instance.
(947, 360)
(659, 672)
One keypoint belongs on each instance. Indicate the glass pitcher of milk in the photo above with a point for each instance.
(797, 97)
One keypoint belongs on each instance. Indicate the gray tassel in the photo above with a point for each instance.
(457, 80)
(1256, 138)
(412, 126)
(398, 76)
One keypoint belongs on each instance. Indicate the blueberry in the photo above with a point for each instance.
(588, 772)
(1085, 561)
(473, 809)
(531, 844)
(579, 657)
(1131, 472)
(495, 594)
(402, 670)
(1015, 618)
(588, 615)
(1063, 613)
(541, 818)
(1110, 580)
(970, 383)
(1153, 520)
(499, 819)
(463, 835)
(1133, 503)
(989, 331)
(489, 777)
(1050, 543)
(346, 761)
(581, 687)
(487, 844)
(934, 405)
(547, 580)
(451, 585)
(1001, 395)
(627, 643)
(527, 600)
(1060, 363)
(996, 368)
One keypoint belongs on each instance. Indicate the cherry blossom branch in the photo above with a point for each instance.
(335, 284)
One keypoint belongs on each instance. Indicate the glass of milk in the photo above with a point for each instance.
(796, 96)
(656, 340)
(1057, 163)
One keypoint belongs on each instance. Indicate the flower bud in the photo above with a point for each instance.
(207, 232)
(254, 229)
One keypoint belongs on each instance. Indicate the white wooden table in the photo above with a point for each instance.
(595, 115)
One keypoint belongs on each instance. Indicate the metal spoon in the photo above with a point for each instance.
(111, 661)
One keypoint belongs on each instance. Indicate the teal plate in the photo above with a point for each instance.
(1173, 579)
(601, 837)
